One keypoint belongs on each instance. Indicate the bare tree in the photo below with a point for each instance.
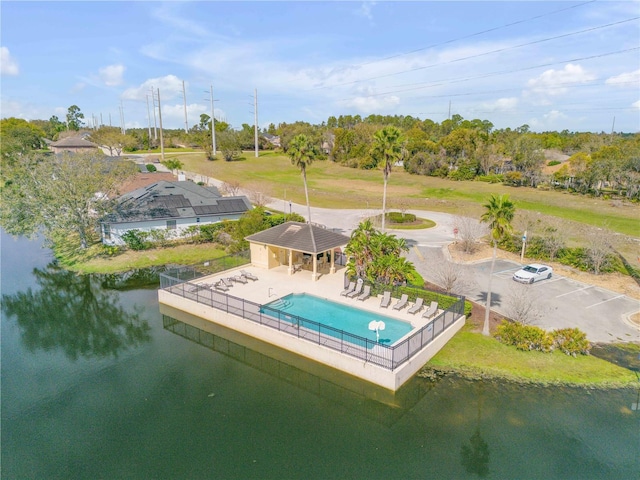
(528, 221)
(555, 236)
(259, 199)
(522, 305)
(452, 277)
(230, 188)
(598, 248)
(468, 232)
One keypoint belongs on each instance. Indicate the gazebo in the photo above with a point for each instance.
(296, 245)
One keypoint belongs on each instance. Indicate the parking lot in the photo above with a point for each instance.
(559, 302)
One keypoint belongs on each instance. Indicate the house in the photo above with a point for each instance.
(272, 139)
(172, 206)
(73, 144)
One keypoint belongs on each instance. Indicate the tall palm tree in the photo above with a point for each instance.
(498, 215)
(387, 150)
(302, 153)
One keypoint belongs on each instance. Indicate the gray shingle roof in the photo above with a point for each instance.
(73, 142)
(300, 237)
(172, 200)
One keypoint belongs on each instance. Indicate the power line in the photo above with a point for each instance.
(482, 32)
(478, 55)
(492, 74)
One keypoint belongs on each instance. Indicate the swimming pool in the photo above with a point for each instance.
(339, 317)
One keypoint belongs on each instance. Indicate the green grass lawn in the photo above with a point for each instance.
(335, 186)
(473, 353)
(131, 260)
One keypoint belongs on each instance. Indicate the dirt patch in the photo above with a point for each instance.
(611, 281)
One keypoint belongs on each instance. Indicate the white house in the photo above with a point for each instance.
(173, 206)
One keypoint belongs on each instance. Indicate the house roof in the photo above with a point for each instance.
(71, 142)
(301, 237)
(173, 200)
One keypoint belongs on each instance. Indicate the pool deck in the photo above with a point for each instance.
(277, 283)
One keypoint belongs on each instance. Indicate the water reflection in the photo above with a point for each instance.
(475, 454)
(376, 403)
(73, 313)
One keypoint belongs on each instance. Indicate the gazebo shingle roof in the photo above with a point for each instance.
(301, 237)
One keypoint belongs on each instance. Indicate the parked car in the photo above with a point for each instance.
(533, 273)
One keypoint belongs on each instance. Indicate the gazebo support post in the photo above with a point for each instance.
(332, 269)
(290, 261)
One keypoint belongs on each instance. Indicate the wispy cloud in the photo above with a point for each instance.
(628, 79)
(8, 64)
(366, 11)
(111, 75)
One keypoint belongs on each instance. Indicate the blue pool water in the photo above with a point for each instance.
(340, 317)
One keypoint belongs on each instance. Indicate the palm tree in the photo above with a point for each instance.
(302, 153)
(499, 214)
(387, 149)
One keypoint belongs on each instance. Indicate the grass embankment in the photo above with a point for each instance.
(473, 355)
(132, 260)
(335, 186)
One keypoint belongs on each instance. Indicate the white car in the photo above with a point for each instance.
(533, 273)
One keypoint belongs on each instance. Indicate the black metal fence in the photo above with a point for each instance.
(389, 357)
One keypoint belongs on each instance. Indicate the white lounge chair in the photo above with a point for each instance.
(226, 282)
(248, 275)
(431, 311)
(239, 279)
(416, 306)
(386, 300)
(402, 302)
(366, 293)
(349, 289)
(356, 291)
(221, 286)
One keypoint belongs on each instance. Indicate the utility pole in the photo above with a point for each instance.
(184, 97)
(160, 117)
(110, 120)
(155, 125)
(213, 124)
(149, 121)
(255, 118)
(123, 129)
(101, 123)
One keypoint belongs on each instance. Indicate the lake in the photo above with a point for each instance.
(99, 383)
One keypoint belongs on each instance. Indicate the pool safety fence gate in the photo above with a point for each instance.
(386, 356)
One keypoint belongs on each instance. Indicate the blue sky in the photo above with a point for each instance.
(552, 65)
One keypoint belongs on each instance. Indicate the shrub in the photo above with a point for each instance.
(553, 162)
(136, 239)
(571, 341)
(493, 178)
(398, 217)
(151, 168)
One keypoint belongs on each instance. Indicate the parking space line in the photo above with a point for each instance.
(605, 301)
(574, 291)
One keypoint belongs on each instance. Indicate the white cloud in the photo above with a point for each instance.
(636, 104)
(111, 75)
(78, 87)
(553, 83)
(628, 79)
(8, 64)
(174, 114)
(168, 14)
(501, 105)
(372, 104)
(170, 86)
